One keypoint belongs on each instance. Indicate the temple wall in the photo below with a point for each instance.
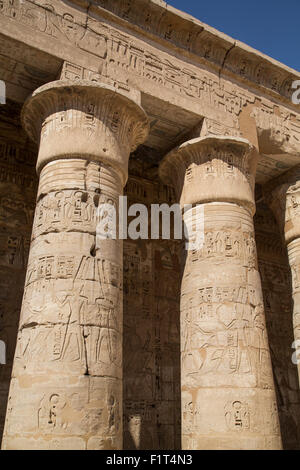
(151, 348)
(17, 202)
(152, 277)
(204, 75)
(142, 344)
(276, 284)
(152, 274)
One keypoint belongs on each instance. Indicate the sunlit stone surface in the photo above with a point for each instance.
(140, 343)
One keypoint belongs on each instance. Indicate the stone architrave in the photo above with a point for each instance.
(66, 388)
(228, 397)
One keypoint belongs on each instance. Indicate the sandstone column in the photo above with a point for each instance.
(228, 397)
(66, 389)
(283, 197)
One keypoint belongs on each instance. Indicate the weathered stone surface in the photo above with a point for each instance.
(227, 390)
(282, 195)
(91, 69)
(67, 375)
(151, 348)
(277, 291)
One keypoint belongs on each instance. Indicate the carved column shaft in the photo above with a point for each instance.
(228, 398)
(283, 197)
(66, 389)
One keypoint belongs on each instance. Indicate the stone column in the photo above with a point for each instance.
(228, 397)
(66, 389)
(283, 197)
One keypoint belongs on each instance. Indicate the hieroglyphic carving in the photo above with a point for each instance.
(276, 283)
(70, 330)
(221, 97)
(83, 30)
(237, 416)
(151, 332)
(130, 62)
(17, 195)
(283, 125)
(70, 322)
(225, 360)
(282, 196)
(167, 293)
(223, 322)
(75, 339)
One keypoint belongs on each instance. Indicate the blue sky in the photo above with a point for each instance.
(271, 26)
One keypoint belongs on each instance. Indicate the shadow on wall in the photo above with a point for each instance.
(277, 290)
(18, 188)
(151, 347)
(151, 351)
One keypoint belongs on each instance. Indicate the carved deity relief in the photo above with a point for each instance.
(71, 314)
(71, 326)
(70, 320)
(74, 299)
(124, 59)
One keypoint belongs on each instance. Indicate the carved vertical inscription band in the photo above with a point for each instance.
(228, 397)
(66, 388)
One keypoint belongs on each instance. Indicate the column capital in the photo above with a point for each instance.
(282, 194)
(84, 120)
(286, 183)
(213, 168)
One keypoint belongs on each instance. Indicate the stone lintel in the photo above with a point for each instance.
(190, 35)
